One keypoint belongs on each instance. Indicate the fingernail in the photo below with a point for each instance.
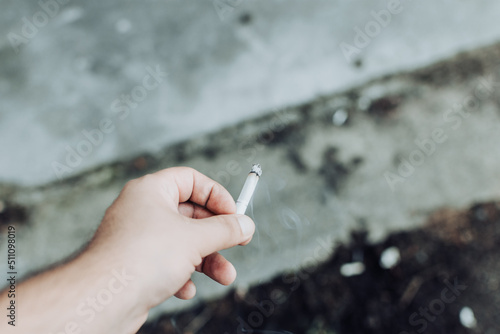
(246, 225)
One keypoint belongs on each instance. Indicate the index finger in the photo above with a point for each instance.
(187, 184)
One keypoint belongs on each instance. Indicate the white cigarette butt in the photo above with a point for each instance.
(352, 269)
(390, 257)
(467, 317)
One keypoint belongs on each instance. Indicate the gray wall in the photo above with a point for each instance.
(224, 63)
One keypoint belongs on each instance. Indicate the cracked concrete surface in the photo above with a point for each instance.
(320, 180)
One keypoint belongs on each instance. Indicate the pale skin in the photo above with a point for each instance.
(160, 230)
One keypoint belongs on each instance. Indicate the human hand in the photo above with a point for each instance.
(160, 229)
(164, 226)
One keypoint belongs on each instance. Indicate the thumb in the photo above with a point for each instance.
(223, 231)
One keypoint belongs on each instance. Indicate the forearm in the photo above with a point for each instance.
(151, 240)
(90, 294)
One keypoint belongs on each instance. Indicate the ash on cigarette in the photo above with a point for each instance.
(399, 288)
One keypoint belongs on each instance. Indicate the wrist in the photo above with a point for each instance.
(112, 291)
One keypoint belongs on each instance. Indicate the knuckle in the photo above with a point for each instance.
(181, 169)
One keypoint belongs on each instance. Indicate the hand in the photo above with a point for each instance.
(161, 228)
(166, 225)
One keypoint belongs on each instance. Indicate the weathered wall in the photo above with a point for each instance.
(224, 64)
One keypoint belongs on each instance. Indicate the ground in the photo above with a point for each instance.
(457, 250)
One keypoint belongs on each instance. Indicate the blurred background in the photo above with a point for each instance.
(376, 124)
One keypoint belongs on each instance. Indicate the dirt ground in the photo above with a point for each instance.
(449, 264)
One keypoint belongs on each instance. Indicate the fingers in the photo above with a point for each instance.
(218, 268)
(220, 232)
(186, 184)
(246, 242)
(195, 211)
(188, 291)
(214, 266)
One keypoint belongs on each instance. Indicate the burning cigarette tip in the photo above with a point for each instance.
(257, 169)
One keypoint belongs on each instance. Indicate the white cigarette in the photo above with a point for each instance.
(248, 189)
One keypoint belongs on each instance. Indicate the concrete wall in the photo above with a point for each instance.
(226, 61)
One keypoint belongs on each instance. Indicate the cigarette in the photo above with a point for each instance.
(248, 189)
